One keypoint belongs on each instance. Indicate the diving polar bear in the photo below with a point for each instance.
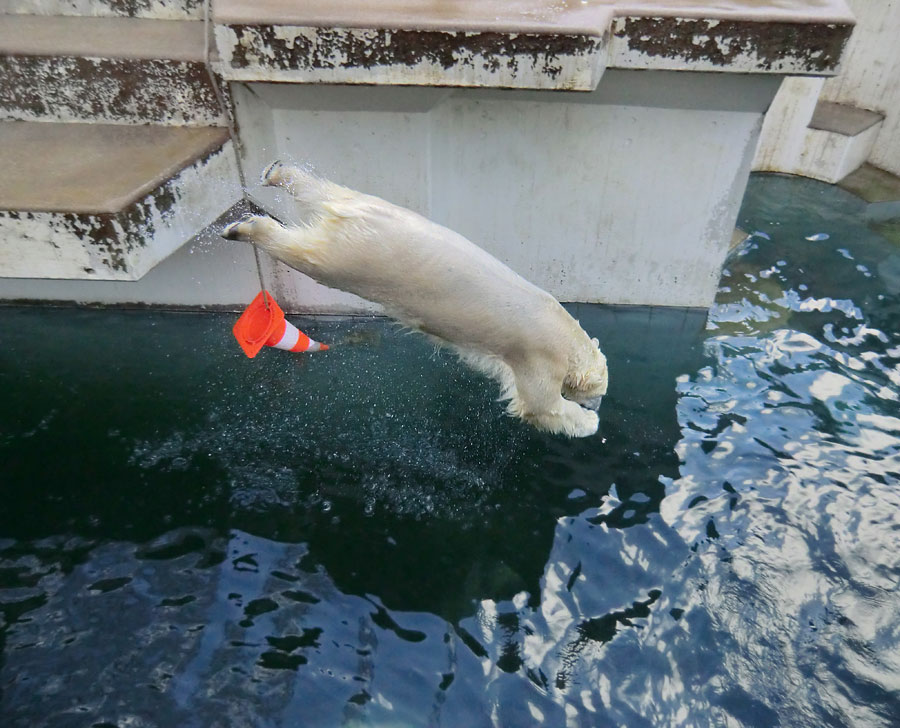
(437, 282)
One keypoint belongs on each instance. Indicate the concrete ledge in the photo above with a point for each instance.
(474, 16)
(88, 201)
(515, 44)
(830, 156)
(109, 70)
(843, 118)
(738, 45)
(158, 9)
(303, 54)
(873, 184)
(33, 35)
(521, 43)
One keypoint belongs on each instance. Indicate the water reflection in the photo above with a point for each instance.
(362, 538)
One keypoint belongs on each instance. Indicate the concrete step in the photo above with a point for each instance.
(110, 70)
(881, 190)
(107, 202)
(838, 140)
(873, 185)
(157, 9)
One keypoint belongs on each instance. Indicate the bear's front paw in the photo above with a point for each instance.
(584, 425)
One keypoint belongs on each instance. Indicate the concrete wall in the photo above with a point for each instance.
(782, 142)
(628, 194)
(869, 79)
(871, 74)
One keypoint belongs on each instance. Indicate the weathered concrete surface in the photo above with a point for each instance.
(474, 16)
(106, 202)
(785, 126)
(206, 272)
(830, 156)
(871, 75)
(628, 194)
(101, 37)
(737, 45)
(518, 16)
(410, 57)
(159, 9)
(873, 185)
(517, 44)
(523, 43)
(107, 90)
(110, 70)
(843, 119)
(869, 80)
(822, 140)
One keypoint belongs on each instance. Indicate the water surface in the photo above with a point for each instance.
(362, 538)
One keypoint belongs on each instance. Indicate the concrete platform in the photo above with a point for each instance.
(523, 43)
(843, 118)
(158, 9)
(109, 70)
(881, 190)
(36, 35)
(873, 184)
(93, 168)
(833, 141)
(106, 202)
(625, 192)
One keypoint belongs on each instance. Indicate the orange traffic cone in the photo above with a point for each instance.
(264, 325)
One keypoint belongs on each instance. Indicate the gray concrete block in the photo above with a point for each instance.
(843, 118)
(158, 9)
(107, 202)
(109, 70)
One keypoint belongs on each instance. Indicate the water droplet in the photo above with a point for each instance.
(817, 237)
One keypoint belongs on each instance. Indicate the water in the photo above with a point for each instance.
(361, 538)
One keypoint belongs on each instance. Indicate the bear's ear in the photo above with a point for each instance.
(596, 343)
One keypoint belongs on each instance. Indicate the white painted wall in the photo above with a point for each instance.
(628, 194)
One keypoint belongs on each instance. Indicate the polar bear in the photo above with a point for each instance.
(435, 281)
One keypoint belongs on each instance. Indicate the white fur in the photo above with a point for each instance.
(437, 282)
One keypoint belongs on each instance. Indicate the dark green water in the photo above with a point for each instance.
(361, 538)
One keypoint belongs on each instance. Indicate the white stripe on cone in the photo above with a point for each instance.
(289, 338)
(295, 340)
